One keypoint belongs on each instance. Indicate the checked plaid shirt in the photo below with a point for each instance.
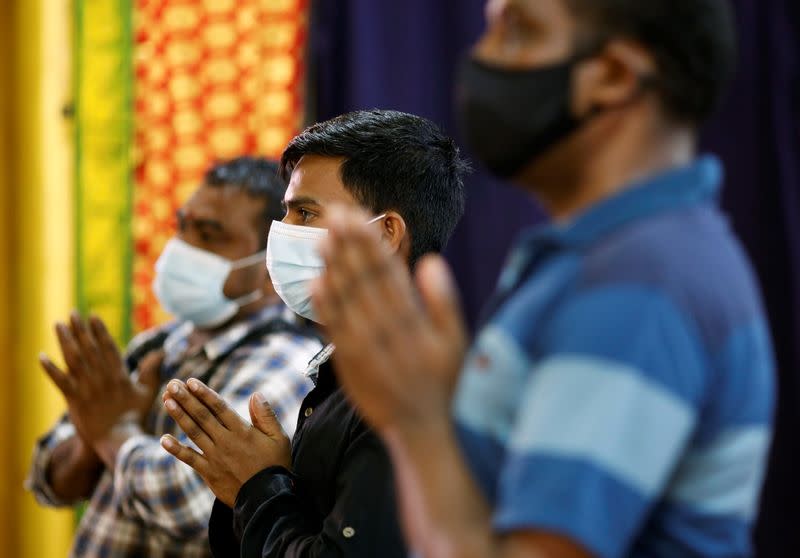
(152, 504)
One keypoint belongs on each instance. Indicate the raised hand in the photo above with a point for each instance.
(102, 397)
(233, 450)
(398, 349)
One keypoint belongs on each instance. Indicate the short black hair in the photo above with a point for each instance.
(693, 43)
(259, 178)
(393, 161)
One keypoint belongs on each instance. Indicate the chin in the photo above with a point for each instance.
(551, 176)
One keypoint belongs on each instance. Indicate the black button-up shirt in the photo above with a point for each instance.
(339, 499)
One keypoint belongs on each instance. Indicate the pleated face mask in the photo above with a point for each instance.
(293, 262)
(189, 284)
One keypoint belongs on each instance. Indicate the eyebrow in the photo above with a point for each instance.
(297, 202)
(200, 222)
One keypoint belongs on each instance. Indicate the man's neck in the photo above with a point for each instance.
(612, 160)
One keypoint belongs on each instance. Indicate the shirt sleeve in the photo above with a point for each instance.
(276, 518)
(152, 486)
(36, 481)
(603, 420)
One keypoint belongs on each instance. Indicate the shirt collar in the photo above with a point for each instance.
(312, 370)
(229, 335)
(691, 185)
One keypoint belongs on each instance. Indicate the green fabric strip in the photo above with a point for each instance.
(104, 81)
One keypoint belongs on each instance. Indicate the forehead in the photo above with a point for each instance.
(226, 204)
(319, 179)
(541, 11)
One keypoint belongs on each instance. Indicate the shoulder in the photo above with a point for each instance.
(150, 336)
(689, 259)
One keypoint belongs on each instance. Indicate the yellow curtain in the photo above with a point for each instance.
(41, 255)
(36, 281)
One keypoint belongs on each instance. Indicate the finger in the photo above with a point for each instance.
(71, 352)
(348, 303)
(149, 368)
(199, 413)
(190, 456)
(263, 416)
(368, 261)
(96, 373)
(86, 343)
(62, 380)
(211, 399)
(188, 425)
(349, 296)
(440, 297)
(382, 298)
(107, 346)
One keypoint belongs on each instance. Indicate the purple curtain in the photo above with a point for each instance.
(757, 133)
(403, 55)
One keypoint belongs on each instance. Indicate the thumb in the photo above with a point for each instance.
(440, 296)
(262, 416)
(150, 367)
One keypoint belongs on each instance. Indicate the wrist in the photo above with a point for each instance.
(107, 446)
(418, 437)
(82, 453)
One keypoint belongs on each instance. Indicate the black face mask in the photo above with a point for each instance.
(509, 117)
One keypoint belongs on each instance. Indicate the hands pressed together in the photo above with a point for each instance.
(105, 403)
(398, 354)
(233, 449)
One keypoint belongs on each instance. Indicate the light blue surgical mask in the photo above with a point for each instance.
(293, 262)
(189, 283)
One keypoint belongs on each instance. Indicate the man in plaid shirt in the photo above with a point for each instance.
(231, 329)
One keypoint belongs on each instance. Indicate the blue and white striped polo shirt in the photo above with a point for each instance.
(621, 393)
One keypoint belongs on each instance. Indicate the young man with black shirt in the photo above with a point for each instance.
(329, 493)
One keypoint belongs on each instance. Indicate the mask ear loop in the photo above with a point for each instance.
(376, 219)
(248, 298)
(258, 257)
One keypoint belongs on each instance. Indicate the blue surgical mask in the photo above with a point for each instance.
(189, 283)
(293, 261)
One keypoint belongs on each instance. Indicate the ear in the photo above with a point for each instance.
(393, 229)
(612, 78)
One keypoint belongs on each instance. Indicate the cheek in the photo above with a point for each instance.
(243, 281)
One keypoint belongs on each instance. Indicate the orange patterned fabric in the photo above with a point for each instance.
(214, 79)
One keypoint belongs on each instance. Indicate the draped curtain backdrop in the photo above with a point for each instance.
(165, 88)
(403, 55)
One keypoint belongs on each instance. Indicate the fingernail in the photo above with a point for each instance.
(260, 399)
(43, 357)
(170, 404)
(174, 387)
(167, 442)
(193, 384)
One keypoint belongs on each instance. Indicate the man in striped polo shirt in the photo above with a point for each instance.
(618, 400)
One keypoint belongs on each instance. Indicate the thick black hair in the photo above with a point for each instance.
(693, 43)
(393, 161)
(259, 178)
